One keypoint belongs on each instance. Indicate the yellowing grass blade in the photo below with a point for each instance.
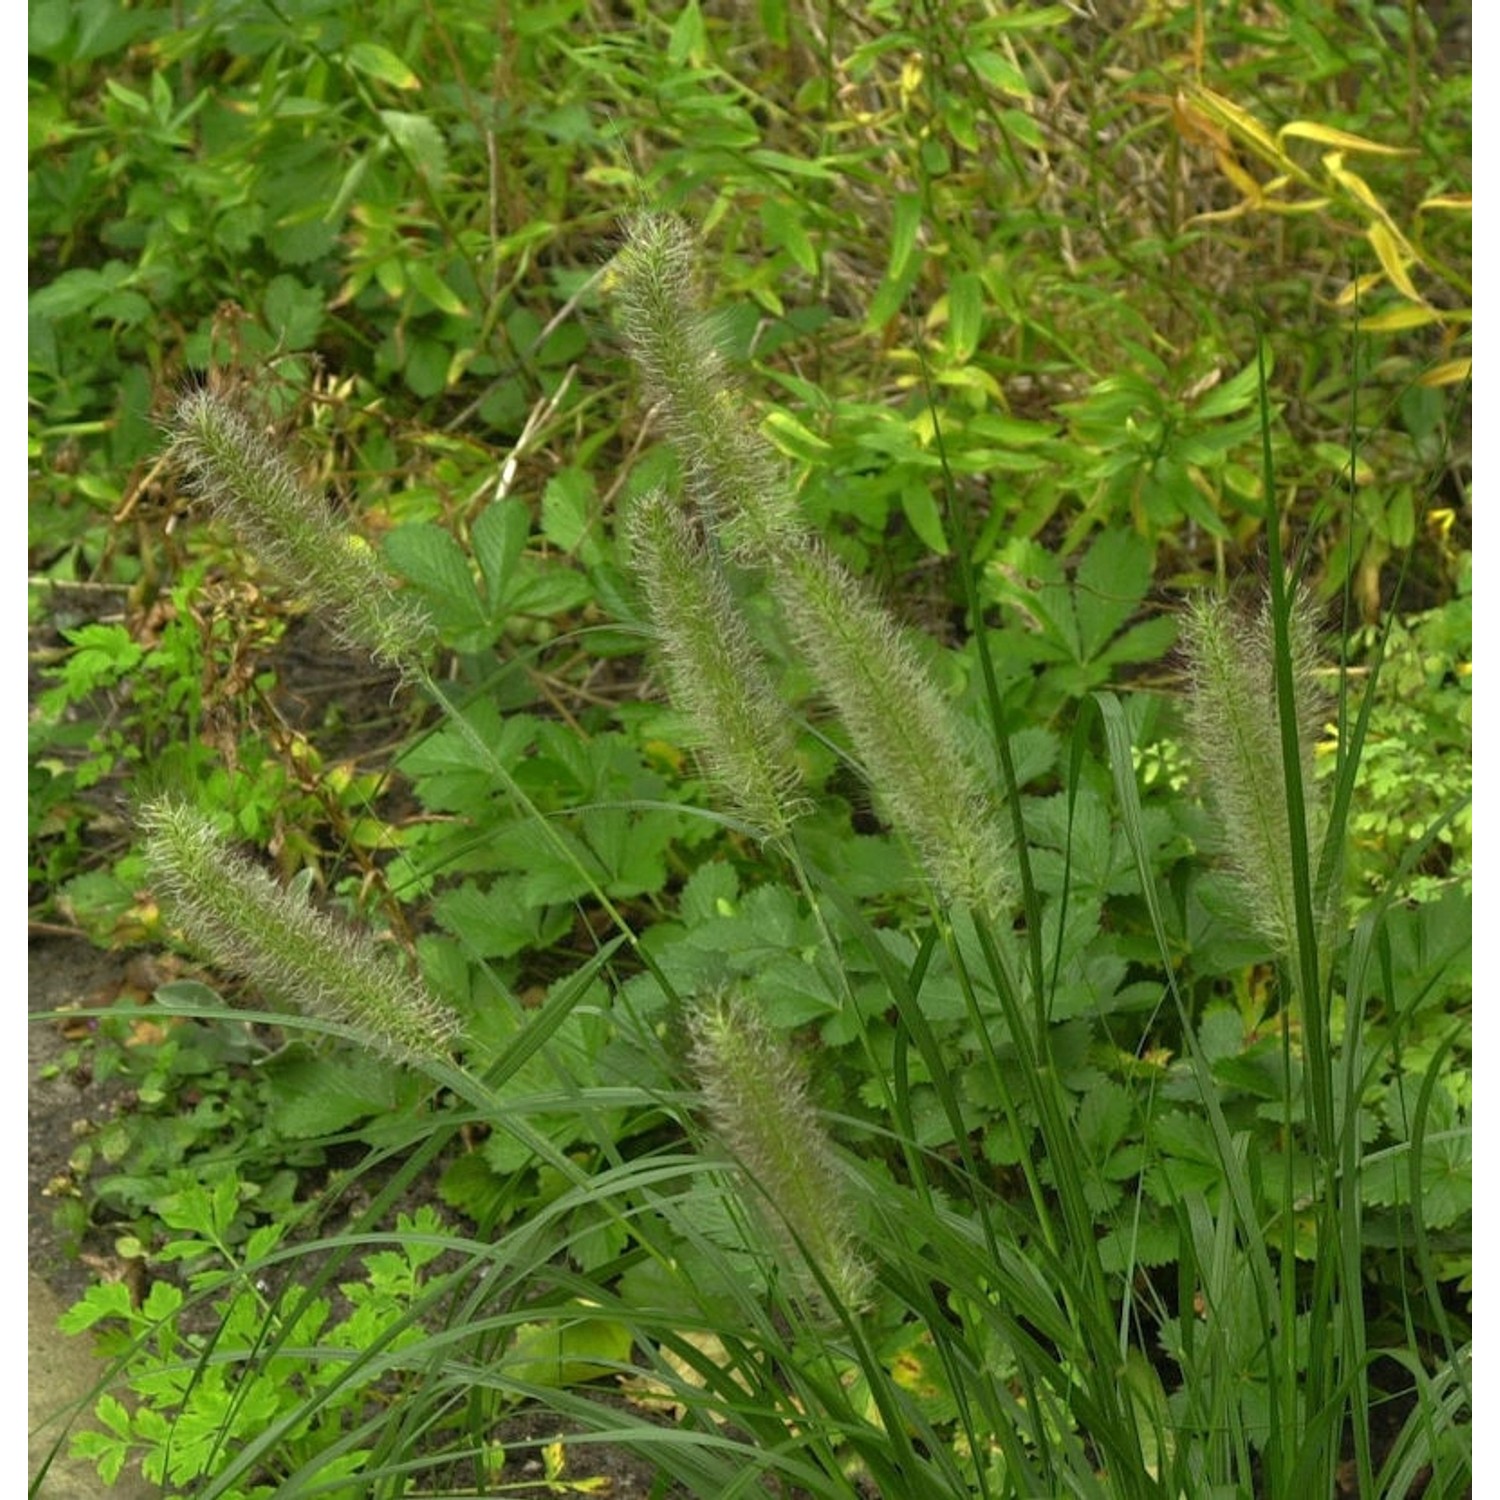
(1450, 373)
(1394, 256)
(1326, 135)
(1399, 319)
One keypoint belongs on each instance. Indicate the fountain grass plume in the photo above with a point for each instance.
(731, 473)
(758, 1106)
(265, 933)
(742, 731)
(903, 731)
(246, 480)
(1233, 718)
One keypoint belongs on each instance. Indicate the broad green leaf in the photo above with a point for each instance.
(498, 923)
(785, 231)
(906, 220)
(563, 1352)
(426, 280)
(294, 312)
(74, 291)
(793, 439)
(375, 61)
(688, 41)
(965, 315)
(1000, 73)
(435, 565)
(313, 1095)
(926, 520)
(1232, 396)
(568, 512)
(426, 367)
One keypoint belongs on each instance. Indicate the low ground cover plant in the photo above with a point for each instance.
(893, 1049)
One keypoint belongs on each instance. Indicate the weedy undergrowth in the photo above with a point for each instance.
(863, 1303)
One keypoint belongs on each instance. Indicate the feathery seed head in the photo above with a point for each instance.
(731, 472)
(257, 929)
(248, 482)
(714, 673)
(1235, 725)
(902, 728)
(758, 1106)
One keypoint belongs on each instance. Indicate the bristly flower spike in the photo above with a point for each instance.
(731, 474)
(1234, 721)
(248, 482)
(715, 676)
(254, 927)
(759, 1109)
(902, 728)
(903, 731)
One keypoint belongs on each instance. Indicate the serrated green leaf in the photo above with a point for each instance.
(315, 1096)
(419, 138)
(426, 366)
(294, 312)
(429, 558)
(499, 539)
(568, 512)
(1148, 641)
(497, 923)
(709, 893)
(1112, 580)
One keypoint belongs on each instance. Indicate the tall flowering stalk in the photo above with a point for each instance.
(1234, 721)
(247, 481)
(758, 1106)
(742, 730)
(731, 473)
(255, 928)
(903, 730)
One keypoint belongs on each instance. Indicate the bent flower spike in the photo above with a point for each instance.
(714, 675)
(250, 484)
(732, 475)
(758, 1107)
(904, 733)
(269, 935)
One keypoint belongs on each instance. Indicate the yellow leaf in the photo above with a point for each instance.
(1447, 374)
(1221, 215)
(1388, 247)
(1240, 179)
(1359, 288)
(1399, 319)
(1354, 184)
(1226, 112)
(1456, 203)
(1326, 135)
(1302, 206)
